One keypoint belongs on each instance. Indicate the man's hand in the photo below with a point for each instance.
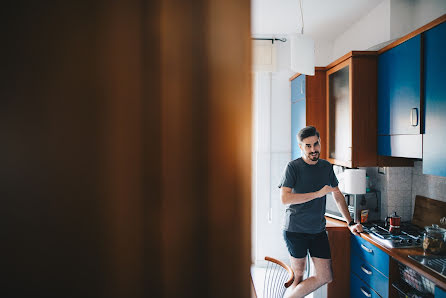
(325, 190)
(356, 229)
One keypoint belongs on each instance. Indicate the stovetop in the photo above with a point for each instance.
(409, 235)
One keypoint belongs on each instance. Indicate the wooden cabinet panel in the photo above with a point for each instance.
(316, 111)
(351, 111)
(339, 114)
(340, 248)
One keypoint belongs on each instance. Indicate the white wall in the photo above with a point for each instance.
(272, 151)
(390, 20)
(372, 29)
(409, 15)
(322, 52)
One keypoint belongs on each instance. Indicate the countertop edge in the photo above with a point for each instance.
(399, 254)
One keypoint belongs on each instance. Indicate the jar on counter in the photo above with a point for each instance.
(434, 240)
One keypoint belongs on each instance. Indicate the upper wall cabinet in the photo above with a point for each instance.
(298, 88)
(399, 101)
(351, 110)
(434, 143)
(308, 107)
(399, 73)
(298, 108)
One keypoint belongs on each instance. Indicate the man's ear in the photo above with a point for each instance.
(300, 146)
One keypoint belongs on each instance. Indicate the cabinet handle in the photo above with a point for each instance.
(367, 294)
(368, 272)
(366, 248)
(302, 87)
(414, 117)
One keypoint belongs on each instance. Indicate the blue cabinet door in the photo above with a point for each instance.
(367, 273)
(298, 88)
(440, 293)
(399, 73)
(370, 254)
(298, 115)
(434, 143)
(358, 289)
(298, 120)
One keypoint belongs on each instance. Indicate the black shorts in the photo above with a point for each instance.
(299, 243)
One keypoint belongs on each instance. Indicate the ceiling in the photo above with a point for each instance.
(323, 19)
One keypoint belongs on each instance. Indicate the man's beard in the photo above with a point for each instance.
(313, 156)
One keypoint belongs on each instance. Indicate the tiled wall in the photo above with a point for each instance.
(400, 185)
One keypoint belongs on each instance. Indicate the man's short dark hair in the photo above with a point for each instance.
(306, 132)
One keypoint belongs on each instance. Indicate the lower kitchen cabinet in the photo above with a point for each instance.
(358, 288)
(440, 293)
(370, 275)
(371, 254)
(339, 246)
(369, 267)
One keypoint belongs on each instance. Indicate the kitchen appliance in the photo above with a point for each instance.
(409, 235)
(357, 203)
(393, 222)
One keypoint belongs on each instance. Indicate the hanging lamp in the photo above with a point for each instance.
(302, 50)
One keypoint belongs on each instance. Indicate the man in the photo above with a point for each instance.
(304, 186)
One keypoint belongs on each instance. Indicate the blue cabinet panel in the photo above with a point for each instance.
(434, 143)
(440, 293)
(410, 146)
(372, 277)
(371, 254)
(298, 121)
(399, 71)
(358, 289)
(298, 88)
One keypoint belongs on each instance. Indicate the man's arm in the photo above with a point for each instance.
(342, 206)
(298, 198)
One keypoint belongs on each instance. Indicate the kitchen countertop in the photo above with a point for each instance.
(399, 254)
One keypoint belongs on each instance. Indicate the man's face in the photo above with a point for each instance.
(311, 148)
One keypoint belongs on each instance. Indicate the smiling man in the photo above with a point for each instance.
(304, 186)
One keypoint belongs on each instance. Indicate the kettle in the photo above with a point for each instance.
(394, 222)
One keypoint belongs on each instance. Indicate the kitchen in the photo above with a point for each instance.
(126, 148)
(398, 186)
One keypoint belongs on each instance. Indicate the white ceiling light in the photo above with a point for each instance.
(302, 50)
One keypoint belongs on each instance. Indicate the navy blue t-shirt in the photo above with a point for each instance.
(304, 178)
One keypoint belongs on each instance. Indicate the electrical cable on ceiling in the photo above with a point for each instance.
(301, 17)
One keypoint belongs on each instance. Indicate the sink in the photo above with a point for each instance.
(435, 263)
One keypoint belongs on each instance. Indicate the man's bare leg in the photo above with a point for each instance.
(298, 266)
(322, 275)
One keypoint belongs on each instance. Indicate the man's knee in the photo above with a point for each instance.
(325, 278)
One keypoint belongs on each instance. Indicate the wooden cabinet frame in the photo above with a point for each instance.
(362, 108)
